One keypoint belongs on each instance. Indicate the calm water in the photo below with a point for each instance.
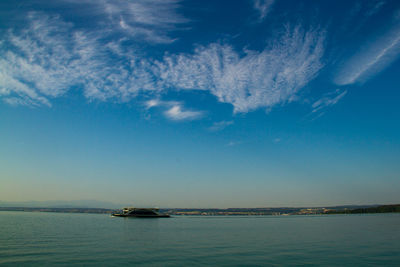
(31, 238)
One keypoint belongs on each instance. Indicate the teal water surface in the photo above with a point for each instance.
(33, 238)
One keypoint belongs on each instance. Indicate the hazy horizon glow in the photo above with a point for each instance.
(200, 104)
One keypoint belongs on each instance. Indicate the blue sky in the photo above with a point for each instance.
(200, 103)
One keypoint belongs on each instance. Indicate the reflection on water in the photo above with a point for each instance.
(93, 239)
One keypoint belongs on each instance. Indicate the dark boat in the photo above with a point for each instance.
(140, 212)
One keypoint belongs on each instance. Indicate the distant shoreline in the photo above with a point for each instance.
(231, 211)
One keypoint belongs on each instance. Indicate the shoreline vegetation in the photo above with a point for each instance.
(232, 211)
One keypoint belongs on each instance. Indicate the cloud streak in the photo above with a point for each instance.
(220, 125)
(151, 20)
(328, 100)
(263, 7)
(371, 60)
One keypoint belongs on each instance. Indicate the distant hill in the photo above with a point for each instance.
(379, 209)
(93, 206)
(63, 204)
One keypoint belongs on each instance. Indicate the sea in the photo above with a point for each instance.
(65, 239)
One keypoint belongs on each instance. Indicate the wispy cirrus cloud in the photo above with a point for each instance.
(328, 100)
(31, 69)
(174, 110)
(177, 113)
(255, 80)
(234, 143)
(219, 125)
(150, 20)
(49, 58)
(375, 7)
(372, 59)
(263, 7)
(153, 103)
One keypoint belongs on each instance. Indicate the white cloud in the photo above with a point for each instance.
(9, 87)
(31, 68)
(174, 110)
(328, 100)
(150, 20)
(49, 58)
(263, 7)
(372, 59)
(257, 79)
(234, 143)
(152, 103)
(177, 113)
(220, 125)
